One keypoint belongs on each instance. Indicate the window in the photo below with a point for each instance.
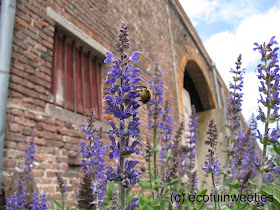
(76, 75)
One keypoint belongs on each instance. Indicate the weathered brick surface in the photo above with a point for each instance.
(31, 71)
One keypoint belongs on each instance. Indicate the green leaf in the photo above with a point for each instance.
(203, 192)
(168, 155)
(110, 189)
(56, 205)
(145, 184)
(244, 206)
(174, 181)
(234, 185)
(155, 201)
(156, 149)
(274, 191)
(276, 149)
(157, 207)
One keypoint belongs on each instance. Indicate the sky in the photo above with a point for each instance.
(230, 27)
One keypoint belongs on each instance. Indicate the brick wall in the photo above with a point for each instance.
(31, 68)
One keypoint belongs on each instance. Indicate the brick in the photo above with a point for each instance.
(39, 81)
(52, 143)
(15, 94)
(10, 144)
(14, 154)
(16, 112)
(37, 173)
(21, 146)
(47, 127)
(47, 181)
(43, 23)
(14, 127)
(59, 123)
(41, 157)
(9, 163)
(47, 44)
(28, 100)
(39, 102)
(27, 131)
(25, 122)
(29, 115)
(21, 22)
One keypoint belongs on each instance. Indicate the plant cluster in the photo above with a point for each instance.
(171, 165)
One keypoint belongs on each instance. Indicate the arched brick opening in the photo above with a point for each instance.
(196, 84)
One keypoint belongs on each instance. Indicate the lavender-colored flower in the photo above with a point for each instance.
(122, 100)
(235, 96)
(156, 86)
(171, 172)
(241, 152)
(268, 74)
(93, 158)
(86, 195)
(61, 184)
(166, 128)
(212, 167)
(29, 155)
(132, 205)
(128, 178)
(18, 200)
(114, 202)
(123, 104)
(269, 79)
(189, 152)
(39, 201)
(193, 183)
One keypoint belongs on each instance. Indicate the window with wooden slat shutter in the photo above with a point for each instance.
(76, 76)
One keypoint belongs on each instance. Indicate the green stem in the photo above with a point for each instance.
(266, 132)
(122, 194)
(150, 174)
(155, 152)
(165, 165)
(62, 201)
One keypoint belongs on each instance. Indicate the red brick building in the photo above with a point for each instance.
(56, 69)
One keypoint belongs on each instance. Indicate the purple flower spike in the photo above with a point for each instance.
(109, 58)
(132, 205)
(133, 56)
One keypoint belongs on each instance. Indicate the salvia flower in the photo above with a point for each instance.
(39, 201)
(132, 205)
(18, 200)
(29, 155)
(86, 195)
(93, 157)
(122, 102)
(156, 86)
(128, 178)
(268, 74)
(212, 164)
(166, 128)
(171, 173)
(269, 79)
(189, 151)
(61, 184)
(175, 148)
(235, 96)
(114, 202)
(193, 183)
(241, 152)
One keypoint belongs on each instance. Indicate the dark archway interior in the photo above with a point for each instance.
(189, 86)
(195, 83)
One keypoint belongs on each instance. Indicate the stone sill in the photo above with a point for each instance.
(73, 118)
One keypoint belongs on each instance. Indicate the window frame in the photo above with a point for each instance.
(79, 51)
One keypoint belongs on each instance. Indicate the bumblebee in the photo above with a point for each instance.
(145, 94)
